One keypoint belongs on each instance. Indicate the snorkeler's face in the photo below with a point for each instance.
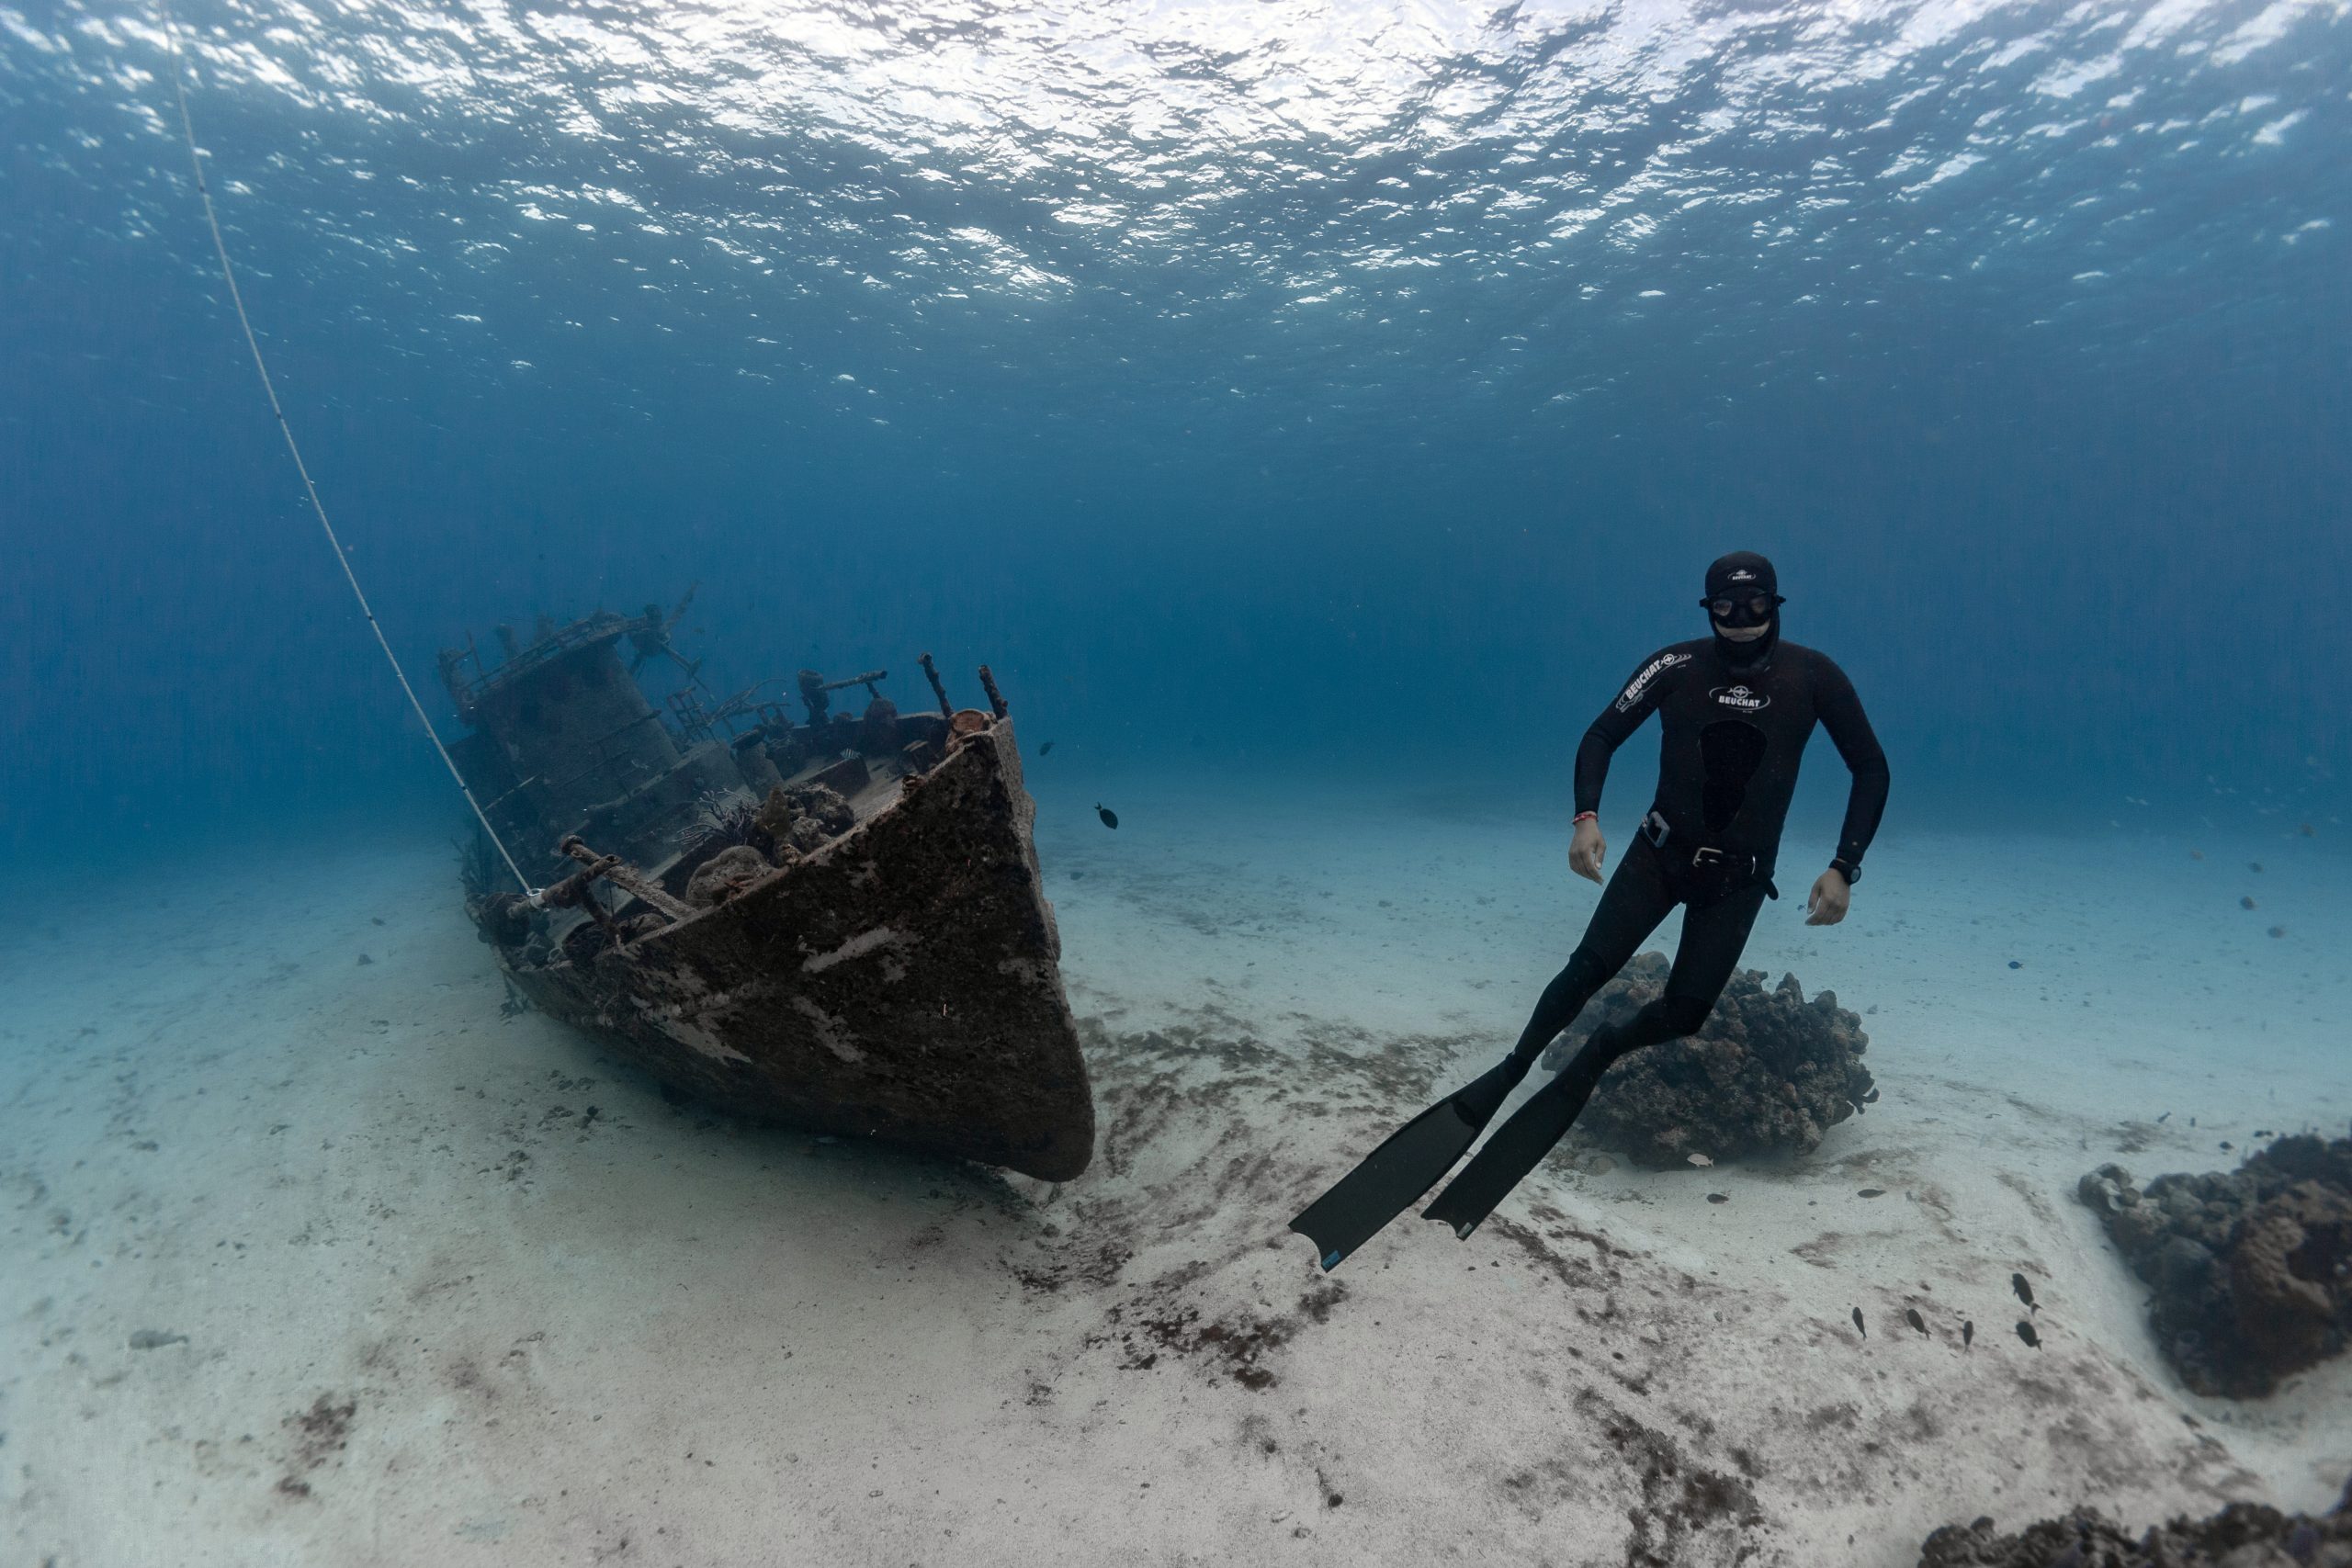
(1741, 619)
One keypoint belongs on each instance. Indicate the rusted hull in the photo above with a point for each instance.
(900, 984)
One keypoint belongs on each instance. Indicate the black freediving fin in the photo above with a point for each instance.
(1511, 1153)
(1413, 1159)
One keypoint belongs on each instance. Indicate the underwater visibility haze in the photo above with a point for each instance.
(1313, 414)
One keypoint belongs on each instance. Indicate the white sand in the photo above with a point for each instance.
(650, 1337)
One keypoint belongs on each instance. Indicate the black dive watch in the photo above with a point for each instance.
(1847, 869)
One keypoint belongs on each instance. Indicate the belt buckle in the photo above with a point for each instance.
(1654, 829)
(1705, 854)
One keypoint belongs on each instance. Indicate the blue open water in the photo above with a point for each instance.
(1281, 387)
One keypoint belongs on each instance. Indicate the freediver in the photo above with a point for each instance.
(1735, 709)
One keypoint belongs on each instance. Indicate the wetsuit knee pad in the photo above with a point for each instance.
(1583, 974)
(1679, 1016)
(1586, 971)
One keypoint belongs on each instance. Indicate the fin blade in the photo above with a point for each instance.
(1390, 1180)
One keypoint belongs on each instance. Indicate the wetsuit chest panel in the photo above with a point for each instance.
(1731, 750)
(1731, 742)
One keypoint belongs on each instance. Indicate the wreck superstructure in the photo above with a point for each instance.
(835, 922)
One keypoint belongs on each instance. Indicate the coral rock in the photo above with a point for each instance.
(1769, 1072)
(803, 821)
(2250, 1270)
(725, 874)
(826, 808)
(2242, 1535)
(2287, 1274)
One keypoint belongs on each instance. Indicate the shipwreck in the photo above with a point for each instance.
(833, 921)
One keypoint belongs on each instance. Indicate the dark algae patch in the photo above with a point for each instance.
(1235, 1345)
(320, 1433)
(1684, 1505)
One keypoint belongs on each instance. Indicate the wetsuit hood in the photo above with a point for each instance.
(1739, 575)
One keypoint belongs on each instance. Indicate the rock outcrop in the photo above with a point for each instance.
(2242, 1535)
(2250, 1270)
(1769, 1073)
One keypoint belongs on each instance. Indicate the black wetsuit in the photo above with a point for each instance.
(1728, 765)
(1735, 713)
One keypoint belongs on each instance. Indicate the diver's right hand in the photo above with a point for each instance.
(1587, 849)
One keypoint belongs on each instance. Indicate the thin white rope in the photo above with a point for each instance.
(236, 298)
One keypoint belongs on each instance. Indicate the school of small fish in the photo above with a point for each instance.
(2026, 1330)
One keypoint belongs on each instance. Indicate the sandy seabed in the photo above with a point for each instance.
(314, 1261)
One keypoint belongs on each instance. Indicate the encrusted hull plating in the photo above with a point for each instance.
(900, 982)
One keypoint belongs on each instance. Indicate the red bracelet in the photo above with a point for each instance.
(1582, 816)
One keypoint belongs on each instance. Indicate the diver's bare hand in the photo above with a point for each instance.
(1587, 849)
(1825, 906)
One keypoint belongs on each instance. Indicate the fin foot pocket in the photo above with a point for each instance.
(1510, 1155)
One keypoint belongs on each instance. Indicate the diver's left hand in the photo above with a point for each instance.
(1825, 906)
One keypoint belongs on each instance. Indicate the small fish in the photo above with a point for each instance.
(1698, 1159)
(2192, 1121)
(1967, 1334)
(2196, 854)
(1871, 1193)
(1858, 1323)
(1718, 1197)
(1911, 1315)
(2253, 865)
(1110, 817)
(2246, 902)
(2015, 965)
(2262, 1132)
(2278, 930)
(2226, 1146)
(2025, 1333)
(2307, 831)
(1045, 748)
(365, 959)
(2165, 1117)
(2024, 1290)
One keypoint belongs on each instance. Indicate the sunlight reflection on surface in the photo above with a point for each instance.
(1557, 166)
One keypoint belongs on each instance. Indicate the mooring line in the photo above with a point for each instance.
(236, 298)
